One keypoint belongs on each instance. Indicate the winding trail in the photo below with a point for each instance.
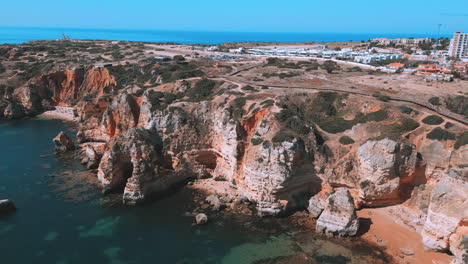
(442, 112)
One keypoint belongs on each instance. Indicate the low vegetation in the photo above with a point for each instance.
(458, 104)
(345, 140)
(440, 134)
(433, 120)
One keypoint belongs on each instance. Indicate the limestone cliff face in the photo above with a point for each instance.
(69, 86)
(57, 88)
(202, 138)
(385, 169)
(132, 163)
(447, 217)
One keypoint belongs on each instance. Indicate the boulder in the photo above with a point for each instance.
(339, 216)
(7, 206)
(201, 219)
(386, 170)
(63, 143)
(91, 155)
(14, 111)
(445, 225)
(215, 202)
(317, 203)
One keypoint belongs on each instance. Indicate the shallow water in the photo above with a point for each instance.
(63, 218)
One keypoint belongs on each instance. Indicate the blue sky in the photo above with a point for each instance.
(359, 16)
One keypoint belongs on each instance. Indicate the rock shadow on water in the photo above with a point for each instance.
(113, 255)
(103, 227)
(51, 236)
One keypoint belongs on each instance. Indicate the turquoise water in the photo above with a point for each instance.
(63, 218)
(19, 35)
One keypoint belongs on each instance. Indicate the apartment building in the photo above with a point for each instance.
(459, 45)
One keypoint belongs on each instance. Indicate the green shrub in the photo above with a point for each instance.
(448, 125)
(440, 134)
(433, 120)
(178, 58)
(458, 104)
(202, 90)
(405, 109)
(256, 141)
(381, 97)
(408, 124)
(462, 140)
(239, 102)
(282, 136)
(434, 101)
(345, 140)
(248, 88)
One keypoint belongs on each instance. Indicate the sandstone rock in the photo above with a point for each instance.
(386, 169)
(201, 219)
(63, 143)
(215, 202)
(407, 251)
(339, 217)
(317, 203)
(133, 162)
(7, 206)
(91, 155)
(14, 111)
(447, 216)
(462, 256)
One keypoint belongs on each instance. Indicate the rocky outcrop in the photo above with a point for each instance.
(91, 154)
(69, 86)
(339, 217)
(58, 88)
(318, 202)
(133, 162)
(201, 219)
(447, 217)
(386, 171)
(121, 115)
(63, 143)
(13, 111)
(7, 206)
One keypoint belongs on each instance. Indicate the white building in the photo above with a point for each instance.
(459, 45)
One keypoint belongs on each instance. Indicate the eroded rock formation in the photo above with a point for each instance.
(63, 143)
(386, 170)
(339, 216)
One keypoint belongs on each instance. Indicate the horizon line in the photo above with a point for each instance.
(220, 31)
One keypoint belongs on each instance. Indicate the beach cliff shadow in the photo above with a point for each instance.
(364, 226)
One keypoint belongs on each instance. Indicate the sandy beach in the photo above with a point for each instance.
(400, 241)
(54, 114)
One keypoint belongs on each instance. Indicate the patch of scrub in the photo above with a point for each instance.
(5, 229)
(51, 236)
(250, 252)
(103, 227)
(113, 254)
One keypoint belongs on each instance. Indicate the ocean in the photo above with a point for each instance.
(62, 217)
(14, 35)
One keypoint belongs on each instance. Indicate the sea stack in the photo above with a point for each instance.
(63, 143)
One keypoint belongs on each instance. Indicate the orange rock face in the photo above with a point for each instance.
(69, 86)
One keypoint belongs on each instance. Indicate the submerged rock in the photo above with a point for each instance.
(63, 143)
(7, 206)
(201, 219)
(339, 216)
(215, 202)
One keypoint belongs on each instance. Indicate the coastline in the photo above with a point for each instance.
(54, 114)
(398, 240)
